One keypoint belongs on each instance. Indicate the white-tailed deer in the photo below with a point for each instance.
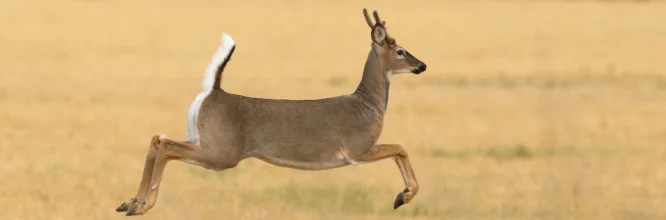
(225, 128)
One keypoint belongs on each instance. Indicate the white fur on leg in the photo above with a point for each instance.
(343, 155)
(163, 137)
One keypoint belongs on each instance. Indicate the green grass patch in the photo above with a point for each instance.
(545, 82)
(509, 152)
(520, 151)
(354, 199)
(349, 199)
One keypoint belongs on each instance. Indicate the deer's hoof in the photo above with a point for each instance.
(400, 199)
(125, 206)
(138, 209)
(131, 213)
(134, 211)
(122, 207)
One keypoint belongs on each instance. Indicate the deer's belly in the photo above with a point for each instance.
(334, 162)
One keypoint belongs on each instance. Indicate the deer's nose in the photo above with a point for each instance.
(422, 67)
(419, 69)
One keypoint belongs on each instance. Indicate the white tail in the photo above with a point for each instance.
(221, 56)
(213, 74)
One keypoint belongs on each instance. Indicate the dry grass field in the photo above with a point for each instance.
(528, 110)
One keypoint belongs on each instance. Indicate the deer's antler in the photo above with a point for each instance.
(367, 18)
(377, 19)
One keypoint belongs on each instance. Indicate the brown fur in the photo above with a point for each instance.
(377, 126)
(302, 134)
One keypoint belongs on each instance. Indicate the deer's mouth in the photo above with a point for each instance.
(421, 68)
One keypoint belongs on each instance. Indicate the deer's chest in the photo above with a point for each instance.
(376, 128)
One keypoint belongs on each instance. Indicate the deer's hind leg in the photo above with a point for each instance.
(162, 151)
(147, 173)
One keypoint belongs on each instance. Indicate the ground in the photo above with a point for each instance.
(528, 109)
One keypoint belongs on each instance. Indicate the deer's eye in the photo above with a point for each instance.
(401, 52)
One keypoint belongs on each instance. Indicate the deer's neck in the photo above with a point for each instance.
(373, 90)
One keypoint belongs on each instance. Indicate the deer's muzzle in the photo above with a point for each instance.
(421, 68)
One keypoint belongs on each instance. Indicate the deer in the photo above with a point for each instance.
(317, 134)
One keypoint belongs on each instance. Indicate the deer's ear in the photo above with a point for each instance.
(378, 35)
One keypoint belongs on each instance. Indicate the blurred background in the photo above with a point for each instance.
(528, 110)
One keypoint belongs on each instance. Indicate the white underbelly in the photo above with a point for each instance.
(321, 165)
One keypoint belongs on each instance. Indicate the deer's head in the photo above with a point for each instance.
(393, 57)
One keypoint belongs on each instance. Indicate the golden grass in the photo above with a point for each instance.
(528, 110)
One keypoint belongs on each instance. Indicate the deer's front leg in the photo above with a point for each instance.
(398, 153)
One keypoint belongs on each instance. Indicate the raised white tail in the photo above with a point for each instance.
(211, 81)
(218, 62)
